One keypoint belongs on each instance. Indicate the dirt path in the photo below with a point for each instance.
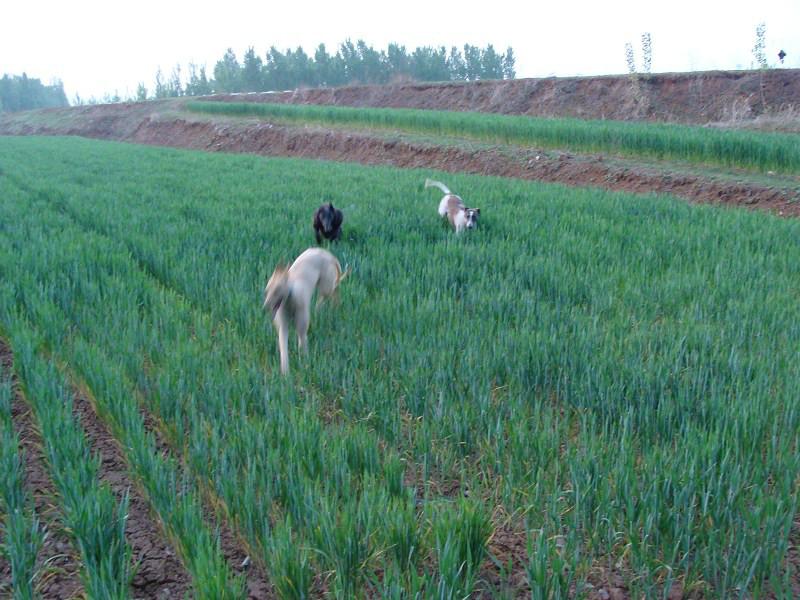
(257, 585)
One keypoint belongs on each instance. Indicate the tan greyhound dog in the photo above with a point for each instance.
(288, 295)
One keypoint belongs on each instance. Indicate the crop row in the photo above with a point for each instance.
(724, 147)
(22, 533)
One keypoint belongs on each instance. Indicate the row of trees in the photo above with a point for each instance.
(24, 93)
(352, 63)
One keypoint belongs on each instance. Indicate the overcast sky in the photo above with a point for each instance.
(101, 47)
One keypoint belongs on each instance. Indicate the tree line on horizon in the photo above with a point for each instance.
(20, 92)
(353, 63)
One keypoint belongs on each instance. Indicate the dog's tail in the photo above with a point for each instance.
(438, 184)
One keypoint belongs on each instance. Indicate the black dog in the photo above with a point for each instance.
(328, 222)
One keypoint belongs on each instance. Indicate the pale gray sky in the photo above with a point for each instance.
(99, 47)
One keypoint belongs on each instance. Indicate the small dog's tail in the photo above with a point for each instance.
(438, 184)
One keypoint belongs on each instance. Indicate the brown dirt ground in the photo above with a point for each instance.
(59, 579)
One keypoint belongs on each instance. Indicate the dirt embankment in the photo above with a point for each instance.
(700, 98)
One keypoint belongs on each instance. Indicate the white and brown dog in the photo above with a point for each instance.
(288, 295)
(453, 208)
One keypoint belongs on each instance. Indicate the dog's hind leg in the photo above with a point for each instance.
(322, 295)
(326, 287)
(283, 342)
(329, 296)
(301, 322)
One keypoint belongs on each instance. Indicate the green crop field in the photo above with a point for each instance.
(750, 150)
(609, 379)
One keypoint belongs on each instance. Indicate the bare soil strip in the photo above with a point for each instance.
(257, 584)
(160, 573)
(258, 587)
(59, 563)
(5, 572)
(508, 546)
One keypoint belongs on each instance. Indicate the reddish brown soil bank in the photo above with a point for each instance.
(702, 97)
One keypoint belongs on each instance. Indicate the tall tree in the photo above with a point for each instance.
(203, 87)
(162, 89)
(252, 76)
(429, 64)
(508, 64)
(175, 87)
(472, 62)
(323, 67)
(352, 62)
(338, 70)
(227, 73)
(456, 66)
(491, 64)
(56, 94)
(397, 61)
(758, 47)
(141, 92)
(299, 67)
(276, 71)
(373, 63)
(20, 92)
(198, 84)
